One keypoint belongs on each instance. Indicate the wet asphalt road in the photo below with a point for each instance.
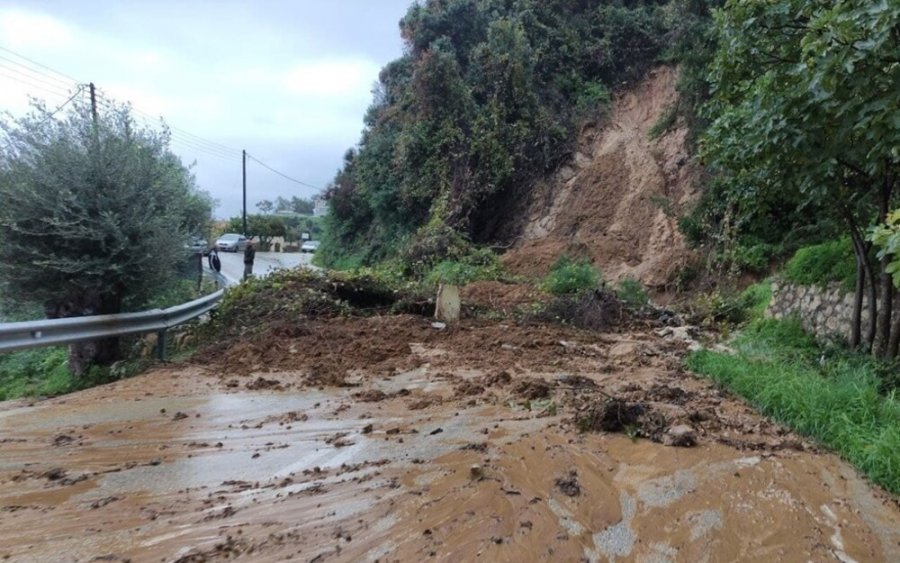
(265, 262)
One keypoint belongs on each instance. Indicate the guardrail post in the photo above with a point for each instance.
(161, 345)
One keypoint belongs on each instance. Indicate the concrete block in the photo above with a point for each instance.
(448, 304)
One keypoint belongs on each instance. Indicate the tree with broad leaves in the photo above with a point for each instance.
(805, 100)
(261, 227)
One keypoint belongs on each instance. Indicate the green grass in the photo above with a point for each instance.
(39, 371)
(756, 299)
(569, 276)
(830, 395)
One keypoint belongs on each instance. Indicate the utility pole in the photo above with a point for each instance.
(93, 102)
(244, 160)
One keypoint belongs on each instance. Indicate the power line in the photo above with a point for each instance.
(33, 74)
(175, 135)
(37, 86)
(64, 104)
(23, 57)
(44, 84)
(197, 139)
(188, 144)
(283, 175)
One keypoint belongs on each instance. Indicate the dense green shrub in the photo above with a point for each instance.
(729, 307)
(39, 371)
(479, 265)
(485, 100)
(569, 276)
(632, 293)
(823, 263)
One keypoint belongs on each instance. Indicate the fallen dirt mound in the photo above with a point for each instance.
(334, 352)
(498, 296)
(616, 202)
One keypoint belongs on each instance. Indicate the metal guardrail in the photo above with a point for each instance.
(54, 332)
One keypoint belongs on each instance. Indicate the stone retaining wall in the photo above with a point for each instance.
(823, 311)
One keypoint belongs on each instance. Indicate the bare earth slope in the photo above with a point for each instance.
(449, 445)
(614, 201)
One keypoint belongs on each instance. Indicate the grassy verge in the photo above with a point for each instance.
(40, 371)
(832, 396)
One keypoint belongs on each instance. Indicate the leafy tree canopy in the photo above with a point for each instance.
(804, 124)
(94, 215)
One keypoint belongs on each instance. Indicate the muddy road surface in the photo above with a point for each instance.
(387, 439)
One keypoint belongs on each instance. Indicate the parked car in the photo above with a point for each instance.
(231, 242)
(197, 245)
(310, 246)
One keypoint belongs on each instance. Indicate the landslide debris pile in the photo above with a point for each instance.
(616, 200)
(282, 300)
(586, 355)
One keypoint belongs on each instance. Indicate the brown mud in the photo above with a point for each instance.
(617, 201)
(386, 439)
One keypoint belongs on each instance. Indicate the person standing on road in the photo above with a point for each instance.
(214, 262)
(249, 255)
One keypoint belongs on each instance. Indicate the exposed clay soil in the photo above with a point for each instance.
(616, 202)
(503, 297)
(387, 439)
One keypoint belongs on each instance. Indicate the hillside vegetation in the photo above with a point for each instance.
(485, 101)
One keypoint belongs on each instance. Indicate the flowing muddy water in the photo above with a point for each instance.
(458, 445)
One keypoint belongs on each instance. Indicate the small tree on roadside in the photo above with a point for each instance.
(262, 227)
(94, 215)
(265, 206)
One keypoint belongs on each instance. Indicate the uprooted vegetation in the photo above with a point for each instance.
(285, 299)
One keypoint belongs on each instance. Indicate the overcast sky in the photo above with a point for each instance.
(289, 81)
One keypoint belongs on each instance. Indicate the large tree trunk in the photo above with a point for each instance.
(894, 344)
(856, 320)
(885, 283)
(885, 310)
(82, 355)
(865, 280)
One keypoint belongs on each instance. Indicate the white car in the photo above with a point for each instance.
(310, 246)
(231, 242)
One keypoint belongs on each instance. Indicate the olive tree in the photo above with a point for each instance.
(94, 215)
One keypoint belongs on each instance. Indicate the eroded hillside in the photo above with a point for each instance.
(616, 200)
